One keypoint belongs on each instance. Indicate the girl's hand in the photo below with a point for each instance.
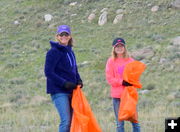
(124, 83)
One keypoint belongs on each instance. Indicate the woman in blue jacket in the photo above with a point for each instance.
(62, 75)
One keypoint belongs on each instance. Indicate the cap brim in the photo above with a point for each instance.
(63, 31)
(118, 44)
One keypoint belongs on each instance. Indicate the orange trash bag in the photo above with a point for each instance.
(83, 119)
(129, 98)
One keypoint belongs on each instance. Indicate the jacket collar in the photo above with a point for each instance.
(60, 46)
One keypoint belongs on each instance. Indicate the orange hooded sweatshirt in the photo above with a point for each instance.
(114, 75)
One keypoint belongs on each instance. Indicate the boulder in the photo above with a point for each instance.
(91, 17)
(141, 54)
(176, 41)
(119, 11)
(118, 18)
(103, 18)
(16, 22)
(73, 3)
(104, 10)
(155, 8)
(48, 17)
(176, 4)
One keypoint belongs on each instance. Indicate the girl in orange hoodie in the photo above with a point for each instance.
(114, 76)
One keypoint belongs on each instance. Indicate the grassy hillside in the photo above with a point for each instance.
(24, 105)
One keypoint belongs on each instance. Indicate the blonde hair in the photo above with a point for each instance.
(125, 54)
(70, 43)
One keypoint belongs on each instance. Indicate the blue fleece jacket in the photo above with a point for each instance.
(60, 67)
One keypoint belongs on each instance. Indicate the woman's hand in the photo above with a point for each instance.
(80, 83)
(70, 85)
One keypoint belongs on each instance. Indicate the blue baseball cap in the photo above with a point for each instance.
(63, 28)
(118, 41)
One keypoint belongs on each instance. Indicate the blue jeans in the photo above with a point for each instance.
(120, 124)
(62, 102)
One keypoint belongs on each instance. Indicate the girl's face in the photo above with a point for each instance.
(63, 38)
(119, 49)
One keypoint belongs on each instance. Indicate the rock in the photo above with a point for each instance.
(140, 54)
(175, 104)
(83, 64)
(171, 97)
(73, 3)
(163, 60)
(170, 48)
(21, 17)
(104, 10)
(151, 22)
(118, 18)
(155, 8)
(73, 15)
(103, 18)
(177, 95)
(6, 105)
(16, 22)
(149, 5)
(176, 4)
(176, 41)
(48, 17)
(157, 37)
(119, 11)
(143, 91)
(91, 17)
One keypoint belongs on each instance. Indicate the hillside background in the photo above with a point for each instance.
(152, 36)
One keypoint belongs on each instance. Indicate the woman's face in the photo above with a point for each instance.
(63, 38)
(119, 49)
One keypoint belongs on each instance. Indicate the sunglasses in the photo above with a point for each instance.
(63, 34)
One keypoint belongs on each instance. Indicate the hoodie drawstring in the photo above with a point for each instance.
(73, 57)
(69, 59)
